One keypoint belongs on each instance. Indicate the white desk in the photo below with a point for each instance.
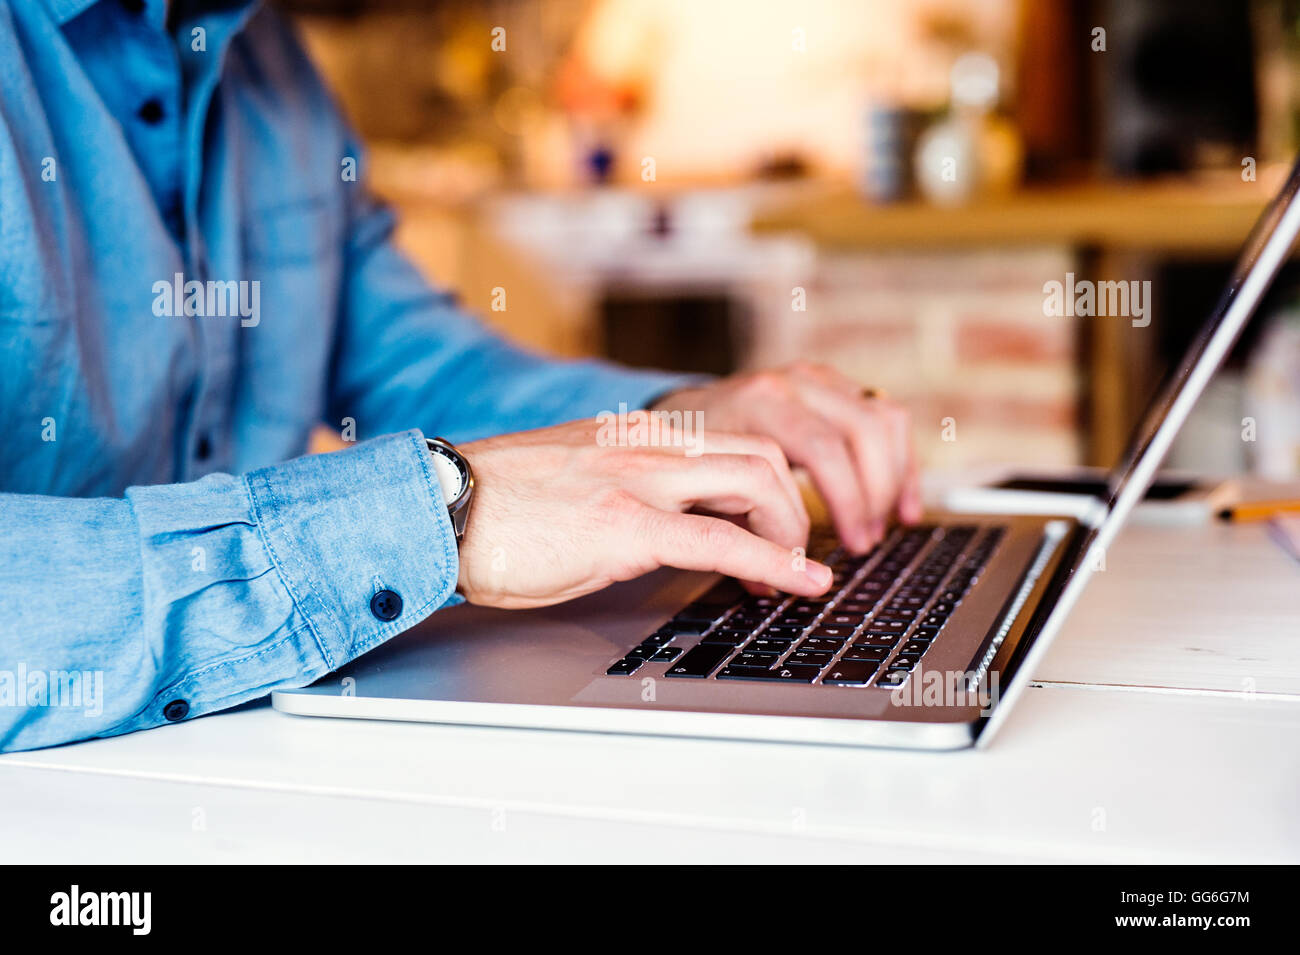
(1139, 746)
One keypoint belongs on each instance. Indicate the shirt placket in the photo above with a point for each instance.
(209, 433)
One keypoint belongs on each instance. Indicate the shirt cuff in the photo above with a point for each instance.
(345, 527)
(669, 384)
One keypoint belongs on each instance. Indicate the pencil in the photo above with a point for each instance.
(1259, 510)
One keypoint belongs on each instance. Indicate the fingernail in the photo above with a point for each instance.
(819, 574)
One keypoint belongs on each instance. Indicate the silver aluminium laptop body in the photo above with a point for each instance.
(548, 668)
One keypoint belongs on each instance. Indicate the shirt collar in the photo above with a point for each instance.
(65, 10)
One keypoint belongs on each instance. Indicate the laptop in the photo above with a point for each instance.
(927, 642)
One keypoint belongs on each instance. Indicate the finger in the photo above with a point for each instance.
(675, 441)
(876, 440)
(738, 484)
(723, 442)
(818, 446)
(910, 504)
(827, 376)
(696, 542)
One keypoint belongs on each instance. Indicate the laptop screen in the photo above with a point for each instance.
(1265, 251)
(1213, 341)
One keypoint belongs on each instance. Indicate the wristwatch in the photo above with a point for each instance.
(457, 482)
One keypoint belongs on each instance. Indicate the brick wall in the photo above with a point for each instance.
(955, 335)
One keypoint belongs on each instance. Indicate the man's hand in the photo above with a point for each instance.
(857, 450)
(558, 514)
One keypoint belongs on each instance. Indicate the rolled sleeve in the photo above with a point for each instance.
(341, 528)
(183, 599)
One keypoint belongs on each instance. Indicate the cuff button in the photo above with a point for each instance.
(176, 710)
(386, 605)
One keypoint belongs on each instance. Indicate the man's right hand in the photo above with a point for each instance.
(556, 515)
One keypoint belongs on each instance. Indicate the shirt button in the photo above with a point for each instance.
(386, 605)
(176, 710)
(151, 111)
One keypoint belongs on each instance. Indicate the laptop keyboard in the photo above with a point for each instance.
(883, 611)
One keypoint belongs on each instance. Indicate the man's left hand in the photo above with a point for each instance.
(857, 449)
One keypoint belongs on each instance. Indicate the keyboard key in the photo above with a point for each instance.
(898, 613)
(821, 643)
(888, 625)
(732, 638)
(795, 673)
(874, 654)
(625, 666)
(811, 657)
(842, 619)
(747, 659)
(833, 633)
(642, 652)
(666, 654)
(793, 615)
(805, 608)
(859, 607)
(659, 639)
(732, 672)
(873, 638)
(892, 678)
(782, 631)
(766, 644)
(700, 661)
(850, 673)
(687, 626)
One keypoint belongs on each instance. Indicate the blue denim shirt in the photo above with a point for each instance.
(190, 280)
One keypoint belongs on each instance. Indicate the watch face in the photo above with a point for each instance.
(451, 475)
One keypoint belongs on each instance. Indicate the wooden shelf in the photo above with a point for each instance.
(1210, 217)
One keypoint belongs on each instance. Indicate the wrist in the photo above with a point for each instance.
(688, 398)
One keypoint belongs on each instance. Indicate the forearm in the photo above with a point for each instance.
(407, 356)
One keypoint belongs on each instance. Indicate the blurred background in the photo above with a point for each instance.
(883, 185)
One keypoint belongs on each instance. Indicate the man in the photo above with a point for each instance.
(190, 281)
